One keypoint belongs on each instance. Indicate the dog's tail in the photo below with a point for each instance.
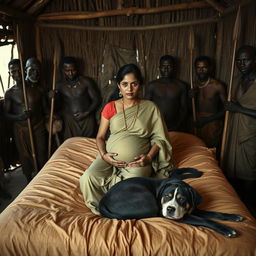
(185, 173)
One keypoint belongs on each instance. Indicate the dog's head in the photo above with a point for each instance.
(178, 199)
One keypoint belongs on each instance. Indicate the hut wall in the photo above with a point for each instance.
(89, 46)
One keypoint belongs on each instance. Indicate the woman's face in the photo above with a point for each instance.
(129, 87)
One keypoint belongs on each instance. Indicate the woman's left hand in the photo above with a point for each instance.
(140, 161)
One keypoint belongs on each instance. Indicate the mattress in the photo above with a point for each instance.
(49, 216)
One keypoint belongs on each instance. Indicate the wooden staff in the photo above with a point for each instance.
(9, 77)
(2, 85)
(25, 99)
(52, 102)
(191, 49)
(236, 32)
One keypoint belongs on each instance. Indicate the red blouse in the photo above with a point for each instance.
(109, 110)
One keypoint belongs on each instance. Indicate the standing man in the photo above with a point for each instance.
(240, 151)
(210, 97)
(77, 100)
(169, 94)
(15, 110)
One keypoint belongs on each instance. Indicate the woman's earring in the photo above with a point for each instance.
(120, 94)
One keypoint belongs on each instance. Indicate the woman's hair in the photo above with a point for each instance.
(127, 69)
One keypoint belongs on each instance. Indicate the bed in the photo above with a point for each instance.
(49, 216)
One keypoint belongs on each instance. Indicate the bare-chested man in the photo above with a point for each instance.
(169, 94)
(15, 110)
(77, 101)
(210, 96)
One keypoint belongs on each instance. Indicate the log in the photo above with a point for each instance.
(133, 28)
(124, 11)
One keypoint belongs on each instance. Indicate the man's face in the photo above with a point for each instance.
(15, 73)
(202, 70)
(245, 62)
(166, 68)
(70, 71)
(33, 73)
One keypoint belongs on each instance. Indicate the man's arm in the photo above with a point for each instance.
(236, 107)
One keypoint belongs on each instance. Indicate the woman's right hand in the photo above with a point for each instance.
(109, 158)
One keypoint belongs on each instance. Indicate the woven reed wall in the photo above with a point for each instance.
(88, 46)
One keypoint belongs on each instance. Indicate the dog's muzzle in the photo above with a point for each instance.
(174, 205)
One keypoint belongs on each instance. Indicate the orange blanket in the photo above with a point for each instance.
(49, 216)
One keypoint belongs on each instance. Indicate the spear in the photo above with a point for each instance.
(25, 98)
(191, 49)
(52, 103)
(236, 33)
(11, 59)
(2, 85)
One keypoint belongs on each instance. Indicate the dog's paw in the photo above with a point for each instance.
(239, 218)
(231, 234)
(236, 217)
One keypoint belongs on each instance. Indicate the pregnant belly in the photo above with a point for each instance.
(128, 147)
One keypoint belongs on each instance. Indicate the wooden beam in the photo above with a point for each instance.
(216, 5)
(14, 13)
(234, 7)
(125, 11)
(37, 6)
(133, 28)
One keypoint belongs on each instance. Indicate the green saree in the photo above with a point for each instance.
(131, 133)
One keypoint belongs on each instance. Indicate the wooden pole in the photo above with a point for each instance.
(132, 28)
(121, 11)
(191, 50)
(236, 33)
(52, 102)
(25, 98)
(9, 77)
(2, 85)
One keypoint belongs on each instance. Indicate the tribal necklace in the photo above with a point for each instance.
(134, 117)
(74, 85)
(205, 84)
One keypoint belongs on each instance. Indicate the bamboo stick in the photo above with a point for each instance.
(52, 102)
(133, 28)
(191, 50)
(25, 99)
(2, 85)
(124, 11)
(9, 77)
(236, 33)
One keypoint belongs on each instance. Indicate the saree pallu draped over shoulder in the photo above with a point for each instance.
(131, 133)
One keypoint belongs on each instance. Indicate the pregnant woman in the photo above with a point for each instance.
(138, 144)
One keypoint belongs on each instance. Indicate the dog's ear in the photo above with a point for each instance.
(195, 198)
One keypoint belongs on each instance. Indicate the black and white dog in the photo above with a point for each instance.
(138, 198)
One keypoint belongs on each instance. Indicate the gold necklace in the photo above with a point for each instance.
(134, 118)
(206, 83)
